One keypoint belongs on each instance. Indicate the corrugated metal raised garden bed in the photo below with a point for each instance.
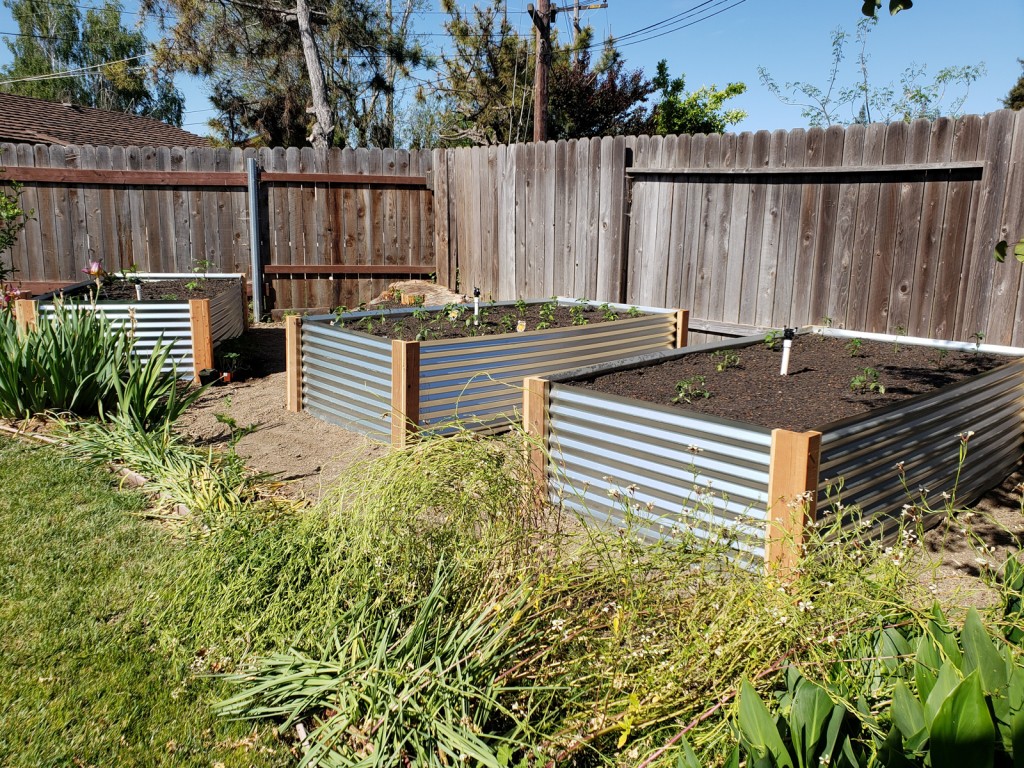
(760, 486)
(391, 388)
(191, 327)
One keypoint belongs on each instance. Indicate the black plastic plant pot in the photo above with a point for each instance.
(208, 376)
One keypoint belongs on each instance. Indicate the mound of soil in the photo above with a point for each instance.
(829, 379)
(176, 289)
(457, 321)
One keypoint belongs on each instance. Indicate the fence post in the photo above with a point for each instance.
(202, 335)
(252, 179)
(535, 423)
(682, 327)
(293, 362)
(405, 391)
(792, 495)
(26, 311)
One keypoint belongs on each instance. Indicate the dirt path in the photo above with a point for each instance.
(296, 447)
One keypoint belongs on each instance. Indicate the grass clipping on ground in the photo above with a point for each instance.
(428, 609)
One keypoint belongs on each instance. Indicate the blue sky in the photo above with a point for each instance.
(727, 40)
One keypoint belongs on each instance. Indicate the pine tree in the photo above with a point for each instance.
(1015, 98)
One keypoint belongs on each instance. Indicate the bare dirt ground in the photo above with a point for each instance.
(297, 448)
(309, 454)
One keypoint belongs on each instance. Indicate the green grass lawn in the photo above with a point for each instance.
(81, 682)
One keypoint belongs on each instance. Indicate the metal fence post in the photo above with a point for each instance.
(252, 183)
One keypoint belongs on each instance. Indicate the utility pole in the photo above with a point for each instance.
(543, 17)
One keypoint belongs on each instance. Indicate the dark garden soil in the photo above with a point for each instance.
(829, 379)
(457, 321)
(177, 289)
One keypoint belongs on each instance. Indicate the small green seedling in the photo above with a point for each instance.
(901, 330)
(772, 339)
(607, 312)
(690, 388)
(634, 312)
(978, 337)
(853, 346)
(521, 306)
(867, 380)
(576, 313)
(725, 359)
(547, 313)
(421, 314)
(940, 357)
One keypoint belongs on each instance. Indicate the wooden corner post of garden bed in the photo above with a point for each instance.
(792, 495)
(25, 312)
(535, 422)
(405, 391)
(682, 327)
(293, 362)
(202, 335)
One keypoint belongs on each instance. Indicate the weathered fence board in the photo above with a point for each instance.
(876, 227)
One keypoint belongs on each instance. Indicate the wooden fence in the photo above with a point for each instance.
(876, 228)
(335, 226)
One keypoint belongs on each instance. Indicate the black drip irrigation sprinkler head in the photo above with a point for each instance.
(788, 334)
(476, 306)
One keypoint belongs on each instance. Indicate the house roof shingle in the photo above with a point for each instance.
(34, 121)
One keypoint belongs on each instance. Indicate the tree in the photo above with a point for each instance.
(486, 78)
(870, 7)
(322, 72)
(1015, 98)
(701, 111)
(603, 100)
(914, 96)
(104, 61)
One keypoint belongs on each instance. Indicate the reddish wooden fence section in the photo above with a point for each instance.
(875, 227)
(335, 226)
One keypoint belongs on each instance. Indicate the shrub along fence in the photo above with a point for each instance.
(876, 227)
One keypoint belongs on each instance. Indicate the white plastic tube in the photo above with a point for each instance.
(786, 346)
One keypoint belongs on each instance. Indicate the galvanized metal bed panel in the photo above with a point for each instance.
(457, 385)
(165, 324)
(346, 378)
(925, 436)
(601, 445)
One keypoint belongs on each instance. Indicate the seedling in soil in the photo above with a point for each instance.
(901, 330)
(547, 313)
(576, 313)
(169, 297)
(608, 313)
(867, 381)
(236, 432)
(978, 337)
(339, 319)
(424, 334)
(853, 347)
(508, 324)
(421, 314)
(772, 339)
(725, 359)
(521, 306)
(940, 357)
(690, 388)
(633, 312)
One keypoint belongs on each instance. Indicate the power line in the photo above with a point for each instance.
(77, 72)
